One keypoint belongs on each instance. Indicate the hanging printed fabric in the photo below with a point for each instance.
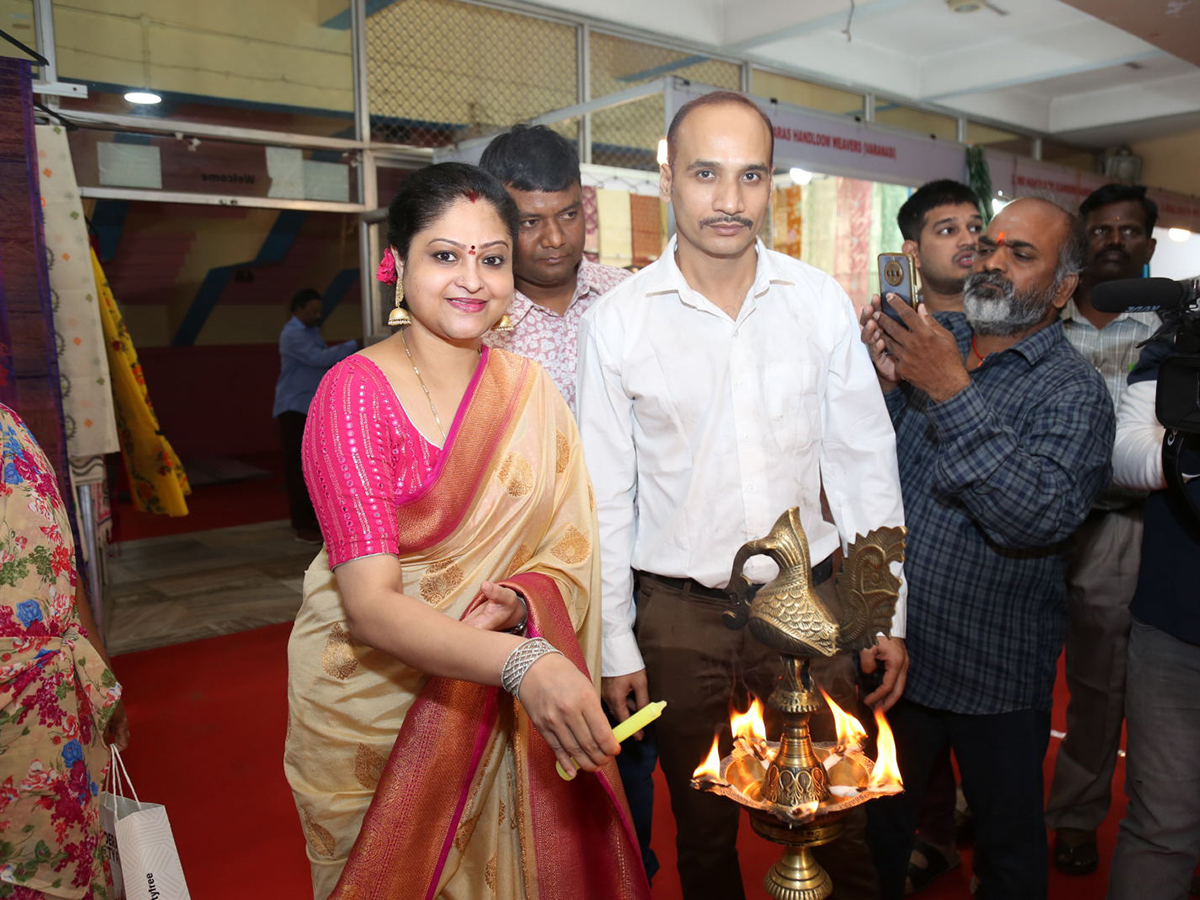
(82, 363)
(156, 477)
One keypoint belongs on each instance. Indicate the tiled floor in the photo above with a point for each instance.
(167, 590)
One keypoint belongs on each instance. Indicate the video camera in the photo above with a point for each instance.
(1177, 402)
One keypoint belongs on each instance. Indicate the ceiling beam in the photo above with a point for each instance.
(1031, 76)
(1172, 96)
(866, 66)
(1037, 56)
(1022, 109)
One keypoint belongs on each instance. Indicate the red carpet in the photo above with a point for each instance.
(208, 722)
(212, 505)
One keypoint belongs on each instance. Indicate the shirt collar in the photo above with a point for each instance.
(1032, 348)
(668, 279)
(1041, 342)
(1071, 313)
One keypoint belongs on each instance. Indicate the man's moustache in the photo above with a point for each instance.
(728, 220)
(991, 279)
(1113, 249)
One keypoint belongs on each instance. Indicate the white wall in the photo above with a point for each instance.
(1173, 259)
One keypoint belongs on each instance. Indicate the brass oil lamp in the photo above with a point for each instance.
(786, 785)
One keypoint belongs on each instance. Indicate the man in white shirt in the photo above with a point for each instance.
(718, 387)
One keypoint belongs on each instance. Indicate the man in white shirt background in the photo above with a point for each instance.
(718, 387)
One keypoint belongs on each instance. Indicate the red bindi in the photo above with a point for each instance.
(472, 250)
(472, 196)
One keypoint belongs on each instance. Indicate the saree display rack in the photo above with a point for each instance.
(798, 792)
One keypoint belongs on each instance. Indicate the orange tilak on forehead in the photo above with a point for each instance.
(1000, 239)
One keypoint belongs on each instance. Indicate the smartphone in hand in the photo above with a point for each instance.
(897, 276)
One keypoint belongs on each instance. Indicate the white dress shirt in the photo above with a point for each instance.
(701, 430)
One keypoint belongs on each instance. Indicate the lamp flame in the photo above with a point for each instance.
(885, 773)
(850, 733)
(711, 767)
(749, 724)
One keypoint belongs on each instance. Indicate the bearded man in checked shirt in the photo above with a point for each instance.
(1005, 435)
(718, 387)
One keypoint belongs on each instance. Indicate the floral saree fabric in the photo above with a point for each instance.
(56, 694)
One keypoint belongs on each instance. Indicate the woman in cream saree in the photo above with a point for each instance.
(411, 785)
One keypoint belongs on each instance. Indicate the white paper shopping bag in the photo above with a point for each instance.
(145, 863)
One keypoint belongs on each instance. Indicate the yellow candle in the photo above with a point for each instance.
(633, 724)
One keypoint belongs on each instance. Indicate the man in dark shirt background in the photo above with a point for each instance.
(1159, 838)
(1102, 572)
(1004, 434)
(305, 358)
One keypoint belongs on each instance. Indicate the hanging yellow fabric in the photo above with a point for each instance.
(156, 477)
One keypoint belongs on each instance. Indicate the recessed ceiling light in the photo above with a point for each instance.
(145, 98)
(800, 176)
(1179, 235)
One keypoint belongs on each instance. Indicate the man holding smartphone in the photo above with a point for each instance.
(718, 387)
(1004, 435)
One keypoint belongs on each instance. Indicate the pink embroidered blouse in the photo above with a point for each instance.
(362, 456)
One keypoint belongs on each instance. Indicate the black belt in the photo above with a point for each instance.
(821, 573)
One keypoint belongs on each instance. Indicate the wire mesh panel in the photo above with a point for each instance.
(627, 136)
(440, 71)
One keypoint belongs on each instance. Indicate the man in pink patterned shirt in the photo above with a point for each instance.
(555, 284)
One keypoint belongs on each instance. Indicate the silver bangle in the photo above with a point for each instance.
(519, 628)
(519, 661)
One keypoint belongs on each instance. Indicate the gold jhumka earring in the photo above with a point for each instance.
(399, 316)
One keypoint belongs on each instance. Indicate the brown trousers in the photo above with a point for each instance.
(702, 669)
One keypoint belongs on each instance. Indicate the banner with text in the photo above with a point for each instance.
(1020, 176)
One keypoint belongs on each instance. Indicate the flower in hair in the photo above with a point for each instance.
(387, 269)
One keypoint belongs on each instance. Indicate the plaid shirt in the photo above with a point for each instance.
(995, 480)
(1113, 350)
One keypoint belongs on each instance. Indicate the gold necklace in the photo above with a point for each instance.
(421, 381)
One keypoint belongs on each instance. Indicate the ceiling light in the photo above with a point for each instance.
(1179, 235)
(999, 204)
(145, 98)
(965, 6)
(662, 152)
(800, 176)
